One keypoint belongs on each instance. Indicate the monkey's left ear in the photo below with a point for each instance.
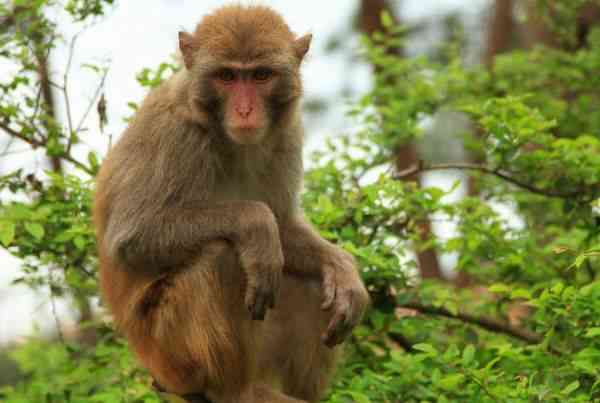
(186, 46)
(301, 46)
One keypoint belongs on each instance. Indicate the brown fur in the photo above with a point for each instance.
(193, 231)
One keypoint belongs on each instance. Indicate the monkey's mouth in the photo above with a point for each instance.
(246, 136)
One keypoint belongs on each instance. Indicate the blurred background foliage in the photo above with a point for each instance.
(509, 112)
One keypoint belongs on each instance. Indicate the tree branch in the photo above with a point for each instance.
(415, 169)
(402, 341)
(65, 90)
(37, 143)
(491, 324)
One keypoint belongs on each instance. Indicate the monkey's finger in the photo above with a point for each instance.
(329, 289)
(341, 335)
(269, 298)
(255, 303)
(344, 320)
(250, 298)
(333, 334)
(271, 302)
(274, 294)
(260, 308)
(336, 327)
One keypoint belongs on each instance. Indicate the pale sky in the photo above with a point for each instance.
(143, 33)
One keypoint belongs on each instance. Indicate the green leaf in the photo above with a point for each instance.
(80, 242)
(570, 388)
(593, 332)
(499, 288)
(93, 160)
(452, 307)
(359, 397)
(7, 232)
(468, 354)
(451, 382)
(579, 261)
(520, 293)
(426, 348)
(35, 229)
(386, 19)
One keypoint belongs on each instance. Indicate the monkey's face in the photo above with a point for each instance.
(245, 92)
(246, 63)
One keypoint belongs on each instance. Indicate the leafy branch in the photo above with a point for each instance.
(42, 143)
(416, 169)
(491, 324)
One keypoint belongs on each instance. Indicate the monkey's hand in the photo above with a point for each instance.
(261, 257)
(344, 294)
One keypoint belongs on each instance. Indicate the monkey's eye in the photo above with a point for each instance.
(262, 74)
(226, 75)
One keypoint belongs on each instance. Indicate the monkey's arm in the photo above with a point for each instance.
(307, 253)
(162, 239)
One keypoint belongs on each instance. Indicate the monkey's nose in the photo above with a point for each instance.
(244, 113)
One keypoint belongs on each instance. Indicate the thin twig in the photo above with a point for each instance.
(415, 169)
(38, 99)
(66, 91)
(92, 101)
(57, 320)
(9, 144)
(56, 85)
(55, 312)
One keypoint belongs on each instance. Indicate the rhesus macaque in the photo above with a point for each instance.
(206, 262)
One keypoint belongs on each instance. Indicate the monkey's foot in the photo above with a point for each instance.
(173, 398)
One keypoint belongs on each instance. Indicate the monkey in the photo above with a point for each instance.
(210, 269)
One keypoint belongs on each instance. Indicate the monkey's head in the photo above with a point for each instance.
(244, 66)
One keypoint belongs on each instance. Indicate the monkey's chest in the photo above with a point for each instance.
(242, 189)
(265, 188)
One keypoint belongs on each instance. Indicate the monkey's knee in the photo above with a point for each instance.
(308, 378)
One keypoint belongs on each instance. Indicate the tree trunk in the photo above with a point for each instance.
(43, 67)
(406, 155)
(500, 36)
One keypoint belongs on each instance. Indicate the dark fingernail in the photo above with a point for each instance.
(258, 313)
(326, 340)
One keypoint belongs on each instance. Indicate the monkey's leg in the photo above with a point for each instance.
(192, 329)
(293, 349)
(197, 336)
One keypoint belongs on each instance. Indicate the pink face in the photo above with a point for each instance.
(245, 90)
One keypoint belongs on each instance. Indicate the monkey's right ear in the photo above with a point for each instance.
(186, 46)
(301, 46)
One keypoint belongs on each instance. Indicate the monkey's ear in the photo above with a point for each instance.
(301, 45)
(186, 46)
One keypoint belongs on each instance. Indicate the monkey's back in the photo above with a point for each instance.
(125, 183)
